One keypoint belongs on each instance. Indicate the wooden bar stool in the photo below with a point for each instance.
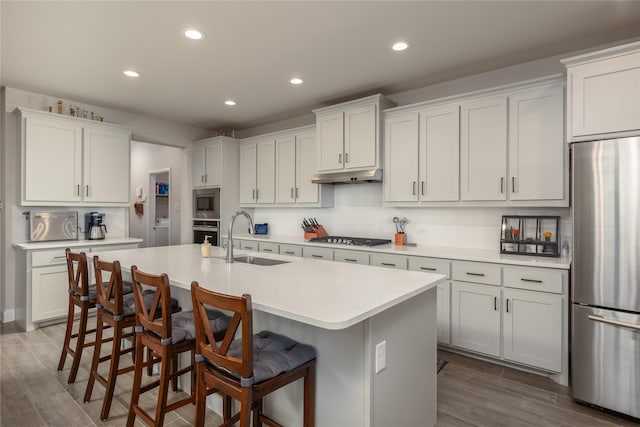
(167, 336)
(116, 310)
(83, 296)
(240, 369)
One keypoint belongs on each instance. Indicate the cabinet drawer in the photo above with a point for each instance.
(535, 279)
(248, 245)
(293, 250)
(389, 260)
(113, 247)
(317, 253)
(352, 257)
(430, 265)
(477, 272)
(52, 256)
(268, 247)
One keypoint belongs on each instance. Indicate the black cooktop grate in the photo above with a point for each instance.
(354, 241)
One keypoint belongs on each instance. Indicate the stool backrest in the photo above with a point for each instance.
(146, 314)
(109, 296)
(78, 273)
(206, 344)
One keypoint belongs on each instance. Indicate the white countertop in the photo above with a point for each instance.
(75, 243)
(329, 295)
(462, 254)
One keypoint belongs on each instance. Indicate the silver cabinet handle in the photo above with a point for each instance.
(507, 305)
(614, 322)
(201, 178)
(495, 303)
(257, 193)
(267, 250)
(530, 280)
(340, 158)
(292, 192)
(475, 274)
(297, 196)
(502, 184)
(346, 157)
(60, 257)
(78, 190)
(423, 188)
(87, 190)
(317, 256)
(428, 268)
(350, 259)
(206, 177)
(513, 184)
(289, 252)
(388, 264)
(413, 188)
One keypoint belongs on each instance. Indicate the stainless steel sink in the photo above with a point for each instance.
(258, 260)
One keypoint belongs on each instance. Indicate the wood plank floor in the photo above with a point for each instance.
(470, 392)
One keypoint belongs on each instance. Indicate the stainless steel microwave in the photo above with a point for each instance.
(206, 203)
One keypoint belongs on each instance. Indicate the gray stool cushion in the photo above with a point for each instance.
(127, 288)
(183, 326)
(129, 303)
(273, 354)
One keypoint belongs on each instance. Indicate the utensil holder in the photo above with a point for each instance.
(400, 239)
(320, 232)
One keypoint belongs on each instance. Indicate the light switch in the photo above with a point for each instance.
(381, 356)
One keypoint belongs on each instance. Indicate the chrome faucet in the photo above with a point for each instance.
(230, 236)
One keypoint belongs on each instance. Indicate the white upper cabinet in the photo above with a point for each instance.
(604, 93)
(257, 172)
(286, 169)
(306, 191)
(502, 149)
(536, 147)
(206, 166)
(72, 161)
(483, 147)
(348, 135)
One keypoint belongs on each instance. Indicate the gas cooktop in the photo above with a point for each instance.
(354, 241)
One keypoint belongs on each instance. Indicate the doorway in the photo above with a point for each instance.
(159, 219)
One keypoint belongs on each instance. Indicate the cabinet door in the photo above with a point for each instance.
(536, 145)
(266, 172)
(360, 137)
(52, 164)
(351, 257)
(306, 191)
(475, 317)
(317, 253)
(285, 169)
(444, 313)
(533, 329)
(605, 95)
(401, 158)
(49, 297)
(389, 260)
(106, 174)
(439, 154)
(483, 145)
(198, 166)
(213, 170)
(248, 156)
(330, 134)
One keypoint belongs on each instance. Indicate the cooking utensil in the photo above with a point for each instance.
(395, 221)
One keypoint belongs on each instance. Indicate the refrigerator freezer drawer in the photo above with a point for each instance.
(606, 359)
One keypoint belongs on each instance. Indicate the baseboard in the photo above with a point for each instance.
(8, 315)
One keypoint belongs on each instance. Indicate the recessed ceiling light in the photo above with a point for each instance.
(230, 102)
(399, 46)
(296, 81)
(131, 73)
(193, 34)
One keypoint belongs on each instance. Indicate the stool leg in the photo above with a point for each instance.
(84, 311)
(137, 381)
(256, 414)
(165, 375)
(310, 396)
(113, 371)
(174, 368)
(67, 334)
(201, 395)
(95, 360)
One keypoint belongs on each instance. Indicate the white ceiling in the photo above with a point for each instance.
(78, 50)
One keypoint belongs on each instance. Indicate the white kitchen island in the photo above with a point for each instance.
(345, 311)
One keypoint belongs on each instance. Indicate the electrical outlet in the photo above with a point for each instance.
(381, 356)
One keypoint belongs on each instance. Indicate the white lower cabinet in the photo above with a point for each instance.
(532, 328)
(352, 257)
(268, 247)
(317, 253)
(389, 260)
(475, 317)
(444, 313)
(293, 250)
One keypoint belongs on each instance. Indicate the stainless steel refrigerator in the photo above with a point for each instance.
(605, 350)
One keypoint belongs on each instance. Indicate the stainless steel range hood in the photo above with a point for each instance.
(348, 177)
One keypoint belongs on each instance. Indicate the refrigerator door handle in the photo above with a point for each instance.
(614, 322)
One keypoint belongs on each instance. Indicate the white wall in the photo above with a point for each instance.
(146, 158)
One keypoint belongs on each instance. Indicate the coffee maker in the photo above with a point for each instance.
(94, 229)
